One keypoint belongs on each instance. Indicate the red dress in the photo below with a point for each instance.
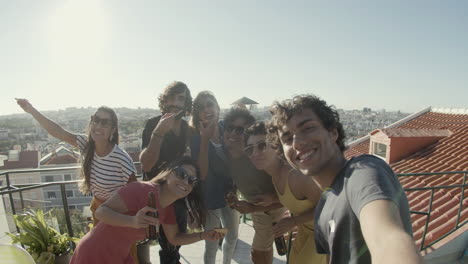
(111, 244)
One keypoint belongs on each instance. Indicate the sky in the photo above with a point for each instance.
(397, 55)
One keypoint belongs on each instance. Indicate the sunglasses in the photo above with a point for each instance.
(182, 174)
(105, 122)
(261, 146)
(237, 129)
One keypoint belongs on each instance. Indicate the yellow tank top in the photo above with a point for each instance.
(295, 206)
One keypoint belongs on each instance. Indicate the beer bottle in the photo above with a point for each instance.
(153, 233)
(280, 244)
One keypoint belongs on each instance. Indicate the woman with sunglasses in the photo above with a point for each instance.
(105, 166)
(297, 192)
(207, 148)
(124, 218)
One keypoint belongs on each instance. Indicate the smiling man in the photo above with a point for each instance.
(363, 214)
(165, 138)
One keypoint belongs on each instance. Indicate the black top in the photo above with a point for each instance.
(172, 147)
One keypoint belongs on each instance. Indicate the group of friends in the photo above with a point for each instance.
(288, 173)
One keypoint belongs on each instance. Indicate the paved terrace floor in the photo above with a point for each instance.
(193, 254)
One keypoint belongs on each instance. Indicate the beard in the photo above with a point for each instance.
(172, 109)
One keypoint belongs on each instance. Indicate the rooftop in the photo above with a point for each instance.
(449, 153)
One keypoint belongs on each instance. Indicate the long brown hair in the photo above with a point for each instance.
(196, 207)
(197, 107)
(85, 174)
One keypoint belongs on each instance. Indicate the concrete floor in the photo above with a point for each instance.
(193, 254)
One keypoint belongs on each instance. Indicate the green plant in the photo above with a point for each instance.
(40, 240)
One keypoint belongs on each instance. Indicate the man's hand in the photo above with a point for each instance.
(244, 207)
(165, 124)
(264, 200)
(211, 235)
(231, 199)
(141, 220)
(25, 104)
(283, 226)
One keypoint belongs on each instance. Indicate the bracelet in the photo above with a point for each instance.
(201, 235)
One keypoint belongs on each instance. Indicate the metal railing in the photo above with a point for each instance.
(10, 189)
(431, 200)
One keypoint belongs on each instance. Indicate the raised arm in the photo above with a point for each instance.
(151, 150)
(52, 128)
(206, 132)
(384, 234)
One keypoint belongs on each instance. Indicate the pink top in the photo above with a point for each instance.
(111, 244)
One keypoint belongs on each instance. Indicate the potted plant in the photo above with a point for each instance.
(44, 243)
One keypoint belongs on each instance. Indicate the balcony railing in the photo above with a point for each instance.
(19, 189)
(432, 189)
(11, 189)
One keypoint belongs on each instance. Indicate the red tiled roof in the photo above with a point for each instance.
(27, 160)
(407, 132)
(450, 153)
(64, 159)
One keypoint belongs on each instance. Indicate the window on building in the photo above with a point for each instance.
(380, 150)
(49, 178)
(71, 207)
(51, 195)
(67, 177)
(69, 194)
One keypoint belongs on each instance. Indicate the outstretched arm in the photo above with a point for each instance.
(245, 207)
(52, 128)
(112, 212)
(288, 223)
(177, 238)
(384, 234)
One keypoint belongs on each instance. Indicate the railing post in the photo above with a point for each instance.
(428, 218)
(10, 195)
(462, 196)
(65, 209)
(22, 200)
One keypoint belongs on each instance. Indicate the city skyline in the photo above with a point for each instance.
(394, 55)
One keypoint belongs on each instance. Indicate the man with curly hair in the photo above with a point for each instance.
(164, 139)
(363, 214)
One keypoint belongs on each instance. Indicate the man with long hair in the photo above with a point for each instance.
(363, 214)
(164, 139)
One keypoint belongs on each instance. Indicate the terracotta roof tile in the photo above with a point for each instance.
(447, 154)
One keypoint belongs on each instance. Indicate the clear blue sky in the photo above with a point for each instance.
(398, 55)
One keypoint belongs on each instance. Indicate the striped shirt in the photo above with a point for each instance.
(110, 172)
(219, 150)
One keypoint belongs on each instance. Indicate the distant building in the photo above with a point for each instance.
(4, 134)
(19, 160)
(62, 157)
